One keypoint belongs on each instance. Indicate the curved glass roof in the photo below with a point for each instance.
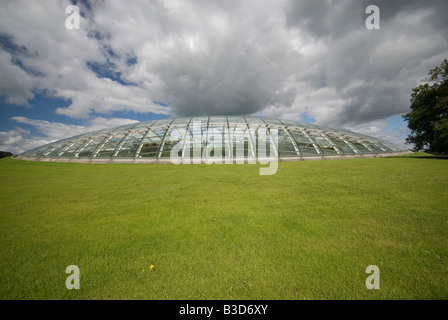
(232, 137)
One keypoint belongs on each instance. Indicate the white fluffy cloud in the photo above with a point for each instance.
(20, 140)
(16, 84)
(40, 53)
(381, 129)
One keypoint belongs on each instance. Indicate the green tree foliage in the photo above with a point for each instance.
(428, 119)
(4, 154)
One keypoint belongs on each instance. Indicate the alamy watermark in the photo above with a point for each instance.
(72, 21)
(373, 20)
(373, 281)
(226, 146)
(72, 281)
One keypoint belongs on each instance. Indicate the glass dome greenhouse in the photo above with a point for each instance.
(225, 139)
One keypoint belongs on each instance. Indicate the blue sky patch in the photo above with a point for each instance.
(43, 108)
(106, 70)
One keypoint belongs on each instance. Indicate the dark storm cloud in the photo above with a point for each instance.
(226, 59)
(372, 71)
(328, 18)
(237, 76)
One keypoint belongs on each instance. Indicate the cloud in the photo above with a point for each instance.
(370, 73)
(20, 140)
(204, 58)
(15, 83)
(41, 54)
(57, 131)
(279, 58)
(381, 129)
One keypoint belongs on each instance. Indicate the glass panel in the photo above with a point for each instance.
(345, 148)
(218, 119)
(47, 150)
(263, 140)
(86, 151)
(378, 148)
(130, 145)
(358, 144)
(234, 119)
(197, 135)
(181, 121)
(144, 125)
(323, 143)
(125, 127)
(273, 122)
(285, 146)
(255, 121)
(392, 146)
(63, 149)
(306, 125)
(215, 137)
(107, 149)
(239, 137)
(55, 150)
(150, 144)
(290, 123)
(304, 144)
(162, 123)
(175, 135)
(69, 150)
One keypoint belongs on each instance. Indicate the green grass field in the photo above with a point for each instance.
(224, 231)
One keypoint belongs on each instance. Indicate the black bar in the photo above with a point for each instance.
(221, 309)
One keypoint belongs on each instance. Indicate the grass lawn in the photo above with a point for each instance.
(224, 231)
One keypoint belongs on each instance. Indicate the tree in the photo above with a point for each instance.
(428, 119)
(4, 154)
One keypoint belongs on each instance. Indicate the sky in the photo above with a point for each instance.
(129, 61)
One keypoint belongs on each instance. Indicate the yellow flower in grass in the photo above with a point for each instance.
(150, 268)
